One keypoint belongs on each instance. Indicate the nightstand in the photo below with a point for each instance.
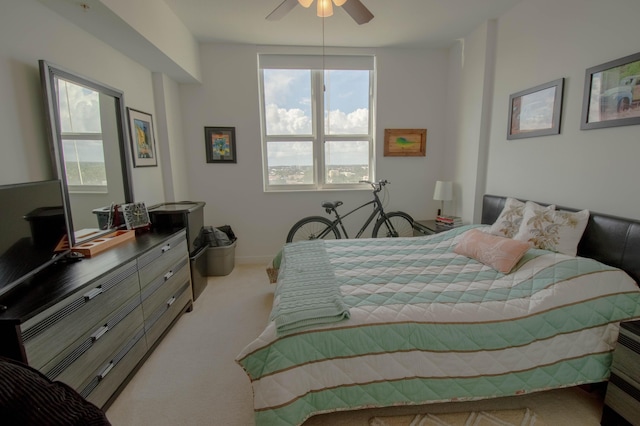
(622, 401)
(428, 227)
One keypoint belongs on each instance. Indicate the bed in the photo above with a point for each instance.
(406, 321)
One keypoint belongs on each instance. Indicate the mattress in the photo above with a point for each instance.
(427, 325)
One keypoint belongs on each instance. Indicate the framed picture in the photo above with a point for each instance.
(405, 142)
(612, 94)
(220, 143)
(135, 215)
(536, 111)
(143, 145)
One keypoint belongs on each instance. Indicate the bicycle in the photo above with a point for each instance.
(394, 224)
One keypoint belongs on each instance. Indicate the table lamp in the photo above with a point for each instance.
(443, 192)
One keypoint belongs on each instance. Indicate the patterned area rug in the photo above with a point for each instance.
(522, 417)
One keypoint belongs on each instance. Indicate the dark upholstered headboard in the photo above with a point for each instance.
(612, 240)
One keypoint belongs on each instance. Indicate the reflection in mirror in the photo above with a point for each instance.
(87, 134)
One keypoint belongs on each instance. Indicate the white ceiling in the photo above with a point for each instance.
(398, 23)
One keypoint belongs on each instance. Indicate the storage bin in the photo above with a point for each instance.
(47, 225)
(221, 260)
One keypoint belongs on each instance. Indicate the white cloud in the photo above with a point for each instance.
(356, 122)
(281, 121)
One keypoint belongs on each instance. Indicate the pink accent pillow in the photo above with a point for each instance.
(500, 253)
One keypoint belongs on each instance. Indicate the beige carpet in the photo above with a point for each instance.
(192, 379)
(522, 417)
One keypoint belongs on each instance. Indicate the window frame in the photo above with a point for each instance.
(317, 65)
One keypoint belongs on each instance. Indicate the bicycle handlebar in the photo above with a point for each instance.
(377, 186)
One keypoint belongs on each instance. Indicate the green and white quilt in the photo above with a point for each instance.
(400, 321)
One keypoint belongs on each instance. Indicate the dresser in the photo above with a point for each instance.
(91, 323)
(622, 400)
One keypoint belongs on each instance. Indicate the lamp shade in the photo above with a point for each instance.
(443, 191)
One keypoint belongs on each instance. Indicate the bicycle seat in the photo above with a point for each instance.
(331, 204)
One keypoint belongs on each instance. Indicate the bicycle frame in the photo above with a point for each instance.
(378, 210)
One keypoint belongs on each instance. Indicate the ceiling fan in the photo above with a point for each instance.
(354, 8)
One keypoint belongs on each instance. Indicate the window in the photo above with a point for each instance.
(81, 135)
(317, 126)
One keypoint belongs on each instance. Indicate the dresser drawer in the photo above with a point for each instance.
(90, 360)
(627, 354)
(111, 374)
(163, 288)
(96, 336)
(156, 324)
(156, 261)
(52, 331)
(623, 396)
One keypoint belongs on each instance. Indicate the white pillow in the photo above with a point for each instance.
(558, 231)
(509, 220)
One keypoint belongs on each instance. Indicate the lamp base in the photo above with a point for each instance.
(439, 212)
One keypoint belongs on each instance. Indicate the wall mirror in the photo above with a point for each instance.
(87, 134)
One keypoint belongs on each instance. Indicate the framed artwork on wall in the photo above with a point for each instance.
(536, 111)
(612, 94)
(143, 145)
(405, 142)
(220, 144)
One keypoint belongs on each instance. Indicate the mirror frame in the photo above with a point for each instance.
(48, 74)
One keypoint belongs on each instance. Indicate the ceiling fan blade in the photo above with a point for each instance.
(285, 7)
(357, 11)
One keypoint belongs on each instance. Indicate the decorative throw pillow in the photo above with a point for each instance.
(499, 253)
(558, 231)
(509, 220)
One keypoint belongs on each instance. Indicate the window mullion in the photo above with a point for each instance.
(82, 136)
(318, 126)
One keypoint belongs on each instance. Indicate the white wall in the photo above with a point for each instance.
(460, 96)
(471, 70)
(29, 31)
(410, 95)
(543, 40)
(170, 138)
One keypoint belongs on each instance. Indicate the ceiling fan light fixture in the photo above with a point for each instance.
(325, 8)
(305, 3)
(338, 2)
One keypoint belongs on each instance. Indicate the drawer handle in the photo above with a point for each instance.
(93, 293)
(168, 275)
(166, 248)
(106, 371)
(170, 301)
(99, 333)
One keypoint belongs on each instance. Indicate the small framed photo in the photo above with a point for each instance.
(405, 142)
(143, 143)
(536, 111)
(612, 94)
(136, 215)
(220, 143)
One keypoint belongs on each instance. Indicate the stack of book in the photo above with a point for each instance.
(449, 221)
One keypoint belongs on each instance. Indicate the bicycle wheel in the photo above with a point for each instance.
(402, 226)
(311, 228)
